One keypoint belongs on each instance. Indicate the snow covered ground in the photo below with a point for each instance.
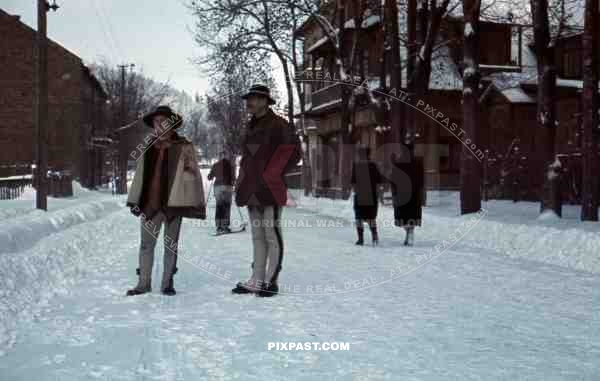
(514, 298)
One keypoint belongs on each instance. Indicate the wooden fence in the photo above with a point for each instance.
(12, 188)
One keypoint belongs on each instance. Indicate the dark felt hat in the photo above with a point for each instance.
(175, 119)
(261, 91)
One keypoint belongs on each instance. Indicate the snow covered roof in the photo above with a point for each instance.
(19, 177)
(506, 80)
(516, 95)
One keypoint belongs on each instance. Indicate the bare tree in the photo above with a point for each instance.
(257, 29)
(226, 111)
(141, 94)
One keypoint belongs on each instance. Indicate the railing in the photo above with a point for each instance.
(12, 188)
(326, 95)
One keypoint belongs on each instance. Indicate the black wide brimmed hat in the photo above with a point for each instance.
(261, 91)
(175, 119)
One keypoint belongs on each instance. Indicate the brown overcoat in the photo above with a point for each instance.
(182, 191)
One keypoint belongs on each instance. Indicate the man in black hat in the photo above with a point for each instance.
(270, 148)
(167, 187)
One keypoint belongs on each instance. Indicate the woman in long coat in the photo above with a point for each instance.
(407, 193)
(365, 181)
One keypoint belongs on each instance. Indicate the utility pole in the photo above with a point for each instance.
(41, 106)
(123, 157)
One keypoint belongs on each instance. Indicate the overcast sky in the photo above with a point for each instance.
(153, 34)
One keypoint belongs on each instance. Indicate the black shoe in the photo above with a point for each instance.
(136, 291)
(170, 291)
(268, 291)
(240, 289)
(361, 235)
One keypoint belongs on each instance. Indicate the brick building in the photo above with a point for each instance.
(76, 107)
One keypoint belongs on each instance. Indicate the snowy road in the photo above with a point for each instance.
(466, 315)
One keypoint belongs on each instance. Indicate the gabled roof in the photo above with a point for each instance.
(51, 42)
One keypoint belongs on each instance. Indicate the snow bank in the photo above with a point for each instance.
(30, 274)
(22, 233)
(511, 229)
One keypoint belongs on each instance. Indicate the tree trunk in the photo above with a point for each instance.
(429, 23)
(306, 159)
(589, 202)
(412, 47)
(346, 153)
(396, 71)
(546, 108)
(289, 87)
(470, 169)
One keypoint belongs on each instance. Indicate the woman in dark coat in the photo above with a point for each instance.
(365, 181)
(407, 194)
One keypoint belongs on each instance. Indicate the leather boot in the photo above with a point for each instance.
(167, 284)
(144, 273)
(169, 270)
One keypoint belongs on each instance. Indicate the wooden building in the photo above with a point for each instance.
(507, 149)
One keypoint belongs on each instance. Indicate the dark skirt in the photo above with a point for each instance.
(408, 195)
(365, 212)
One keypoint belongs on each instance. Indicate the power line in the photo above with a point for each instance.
(109, 42)
(111, 30)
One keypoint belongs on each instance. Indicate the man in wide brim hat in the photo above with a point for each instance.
(270, 149)
(259, 91)
(174, 120)
(167, 187)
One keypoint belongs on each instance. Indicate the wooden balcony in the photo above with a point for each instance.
(325, 99)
